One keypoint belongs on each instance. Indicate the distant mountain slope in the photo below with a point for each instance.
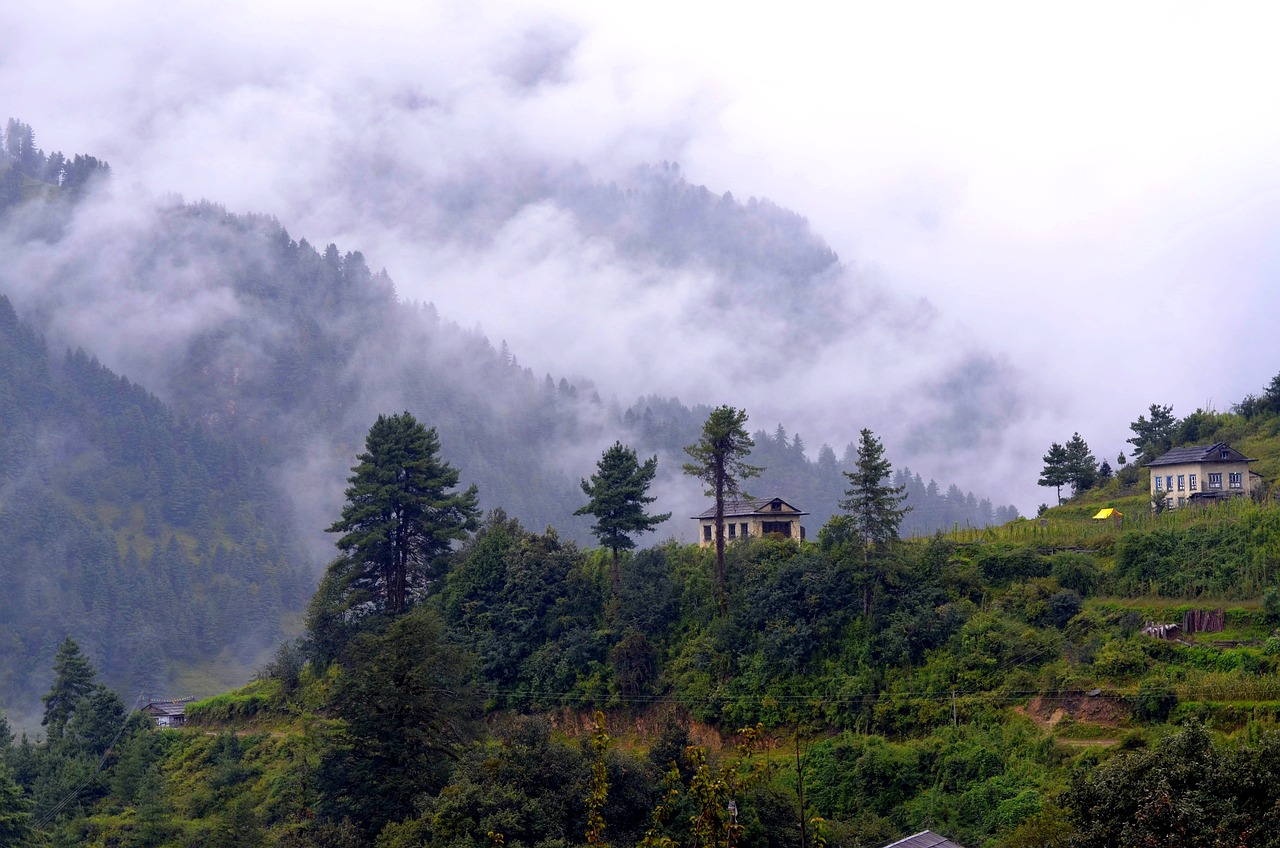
(295, 350)
(154, 542)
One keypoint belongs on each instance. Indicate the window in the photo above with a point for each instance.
(1193, 482)
(1181, 481)
(1215, 481)
(744, 532)
(1168, 482)
(1226, 454)
(1182, 502)
(733, 531)
(706, 532)
(1236, 480)
(1159, 483)
(1168, 503)
(782, 528)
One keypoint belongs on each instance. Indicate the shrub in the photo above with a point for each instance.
(1155, 701)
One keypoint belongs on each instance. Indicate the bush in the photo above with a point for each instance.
(1155, 701)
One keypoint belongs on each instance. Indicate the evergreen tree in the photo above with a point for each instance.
(73, 676)
(15, 812)
(719, 461)
(402, 514)
(617, 493)
(1155, 436)
(874, 507)
(1082, 467)
(1055, 472)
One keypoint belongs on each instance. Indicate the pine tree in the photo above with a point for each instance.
(15, 812)
(617, 493)
(1154, 437)
(73, 676)
(1055, 471)
(874, 506)
(719, 461)
(1082, 467)
(402, 514)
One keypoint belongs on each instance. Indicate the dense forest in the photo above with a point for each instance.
(997, 688)
(185, 520)
(472, 671)
(152, 540)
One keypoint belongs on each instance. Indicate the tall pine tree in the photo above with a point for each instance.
(719, 461)
(402, 513)
(873, 504)
(617, 493)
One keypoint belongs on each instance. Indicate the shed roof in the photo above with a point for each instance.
(1216, 452)
(168, 708)
(924, 839)
(750, 507)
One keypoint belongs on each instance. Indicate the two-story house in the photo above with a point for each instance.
(1201, 473)
(752, 518)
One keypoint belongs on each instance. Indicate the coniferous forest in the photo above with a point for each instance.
(447, 650)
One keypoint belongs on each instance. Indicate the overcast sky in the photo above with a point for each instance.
(1088, 192)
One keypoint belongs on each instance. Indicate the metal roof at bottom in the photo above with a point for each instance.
(924, 839)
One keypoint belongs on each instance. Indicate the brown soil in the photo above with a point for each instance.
(1107, 710)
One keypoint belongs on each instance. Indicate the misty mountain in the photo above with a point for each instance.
(273, 342)
(152, 540)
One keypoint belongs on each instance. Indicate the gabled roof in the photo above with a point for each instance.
(168, 708)
(924, 839)
(1200, 453)
(751, 507)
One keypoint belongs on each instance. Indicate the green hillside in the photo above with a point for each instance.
(998, 690)
(148, 538)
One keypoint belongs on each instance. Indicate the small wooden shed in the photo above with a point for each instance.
(168, 713)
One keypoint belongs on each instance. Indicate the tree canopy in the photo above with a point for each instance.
(719, 461)
(1152, 437)
(874, 505)
(73, 676)
(402, 513)
(617, 493)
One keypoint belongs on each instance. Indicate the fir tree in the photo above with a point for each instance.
(719, 461)
(1055, 471)
(617, 493)
(402, 512)
(73, 676)
(874, 506)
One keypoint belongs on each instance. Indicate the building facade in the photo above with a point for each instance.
(752, 518)
(1201, 473)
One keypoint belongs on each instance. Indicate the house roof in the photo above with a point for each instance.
(750, 507)
(168, 708)
(1200, 453)
(924, 839)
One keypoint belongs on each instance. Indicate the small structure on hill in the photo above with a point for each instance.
(924, 839)
(1109, 514)
(168, 713)
(1199, 474)
(752, 518)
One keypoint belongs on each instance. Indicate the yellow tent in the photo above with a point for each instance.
(1104, 514)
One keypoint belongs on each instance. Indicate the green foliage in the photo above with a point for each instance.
(72, 682)
(874, 506)
(1155, 701)
(1152, 437)
(401, 514)
(719, 461)
(1056, 473)
(408, 712)
(1187, 790)
(617, 494)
